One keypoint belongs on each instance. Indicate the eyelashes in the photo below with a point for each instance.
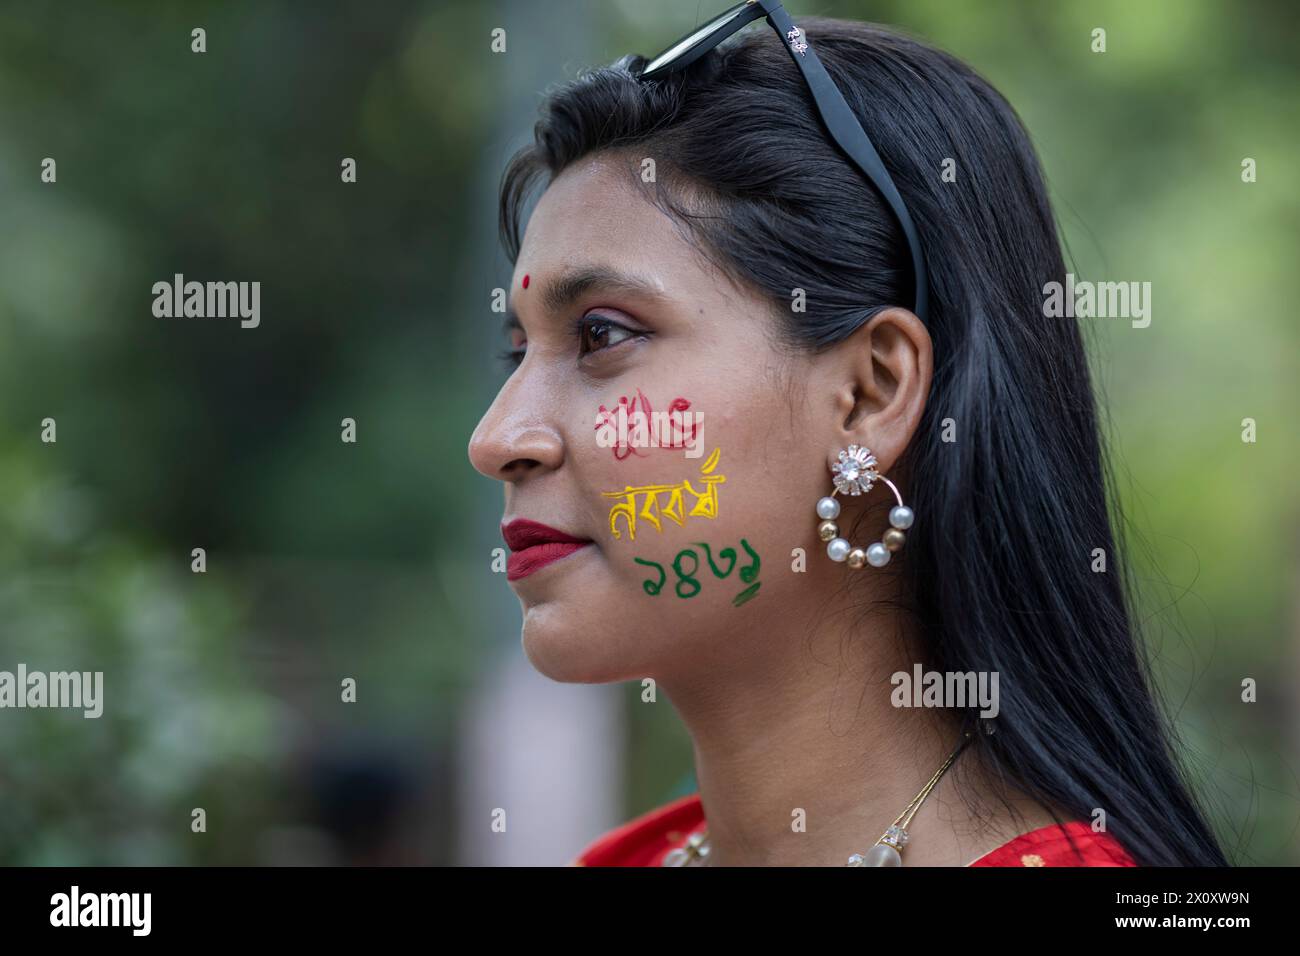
(591, 332)
(595, 326)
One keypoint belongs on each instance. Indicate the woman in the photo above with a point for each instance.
(855, 546)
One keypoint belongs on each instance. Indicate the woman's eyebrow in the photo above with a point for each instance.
(559, 293)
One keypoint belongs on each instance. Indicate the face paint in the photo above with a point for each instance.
(747, 574)
(688, 585)
(633, 424)
(706, 501)
(525, 282)
(612, 426)
(680, 416)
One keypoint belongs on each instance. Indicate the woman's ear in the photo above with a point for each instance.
(884, 370)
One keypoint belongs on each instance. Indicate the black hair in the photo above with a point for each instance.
(1000, 568)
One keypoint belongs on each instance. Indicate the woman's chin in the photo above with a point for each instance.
(571, 652)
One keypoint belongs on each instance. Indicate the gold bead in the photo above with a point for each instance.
(857, 558)
(893, 539)
(828, 530)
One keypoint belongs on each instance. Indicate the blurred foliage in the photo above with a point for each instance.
(370, 560)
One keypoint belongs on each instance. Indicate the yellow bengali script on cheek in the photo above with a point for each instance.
(643, 501)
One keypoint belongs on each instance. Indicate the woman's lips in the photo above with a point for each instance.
(534, 545)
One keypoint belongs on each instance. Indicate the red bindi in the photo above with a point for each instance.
(525, 280)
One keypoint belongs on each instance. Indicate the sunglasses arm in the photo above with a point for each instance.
(847, 132)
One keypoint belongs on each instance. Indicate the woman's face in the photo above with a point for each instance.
(615, 309)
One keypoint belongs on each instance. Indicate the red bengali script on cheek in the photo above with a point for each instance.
(678, 435)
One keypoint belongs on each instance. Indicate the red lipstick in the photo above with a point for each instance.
(534, 545)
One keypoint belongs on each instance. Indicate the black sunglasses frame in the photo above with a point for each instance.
(839, 120)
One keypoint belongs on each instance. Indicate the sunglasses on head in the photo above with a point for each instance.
(839, 120)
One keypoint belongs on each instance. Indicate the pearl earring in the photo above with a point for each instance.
(855, 474)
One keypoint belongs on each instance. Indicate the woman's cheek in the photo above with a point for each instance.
(676, 509)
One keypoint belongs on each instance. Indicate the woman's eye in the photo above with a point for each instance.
(597, 332)
(514, 355)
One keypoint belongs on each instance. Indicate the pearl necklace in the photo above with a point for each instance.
(888, 850)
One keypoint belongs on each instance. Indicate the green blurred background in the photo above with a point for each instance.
(373, 560)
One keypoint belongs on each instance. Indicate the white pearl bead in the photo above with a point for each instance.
(877, 555)
(838, 549)
(901, 517)
(828, 509)
(882, 855)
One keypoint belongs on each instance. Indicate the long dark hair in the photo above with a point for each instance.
(1001, 567)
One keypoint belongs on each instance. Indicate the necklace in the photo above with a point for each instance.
(888, 850)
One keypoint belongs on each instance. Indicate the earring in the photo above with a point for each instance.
(854, 474)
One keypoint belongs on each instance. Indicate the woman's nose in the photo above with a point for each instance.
(513, 442)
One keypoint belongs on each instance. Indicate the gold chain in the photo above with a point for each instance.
(698, 847)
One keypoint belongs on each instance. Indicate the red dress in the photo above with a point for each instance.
(646, 840)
